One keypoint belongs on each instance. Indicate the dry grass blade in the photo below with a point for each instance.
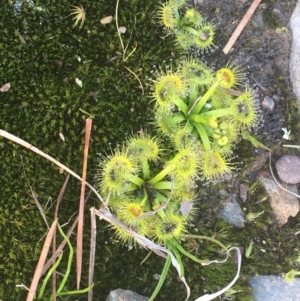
(63, 243)
(92, 253)
(39, 207)
(88, 127)
(241, 26)
(40, 265)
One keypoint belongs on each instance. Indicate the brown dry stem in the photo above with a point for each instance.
(88, 127)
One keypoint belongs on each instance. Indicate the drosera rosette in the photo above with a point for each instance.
(171, 226)
(210, 111)
(167, 88)
(215, 166)
(135, 186)
(195, 73)
(187, 24)
(220, 99)
(231, 76)
(242, 109)
(167, 122)
(155, 204)
(116, 172)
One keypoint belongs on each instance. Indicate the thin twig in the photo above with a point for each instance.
(88, 127)
(42, 212)
(241, 26)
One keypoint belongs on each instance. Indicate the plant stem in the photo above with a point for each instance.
(205, 238)
(205, 98)
(164, 185)
(67, 273)
(180, 104)
(137, 181)
(160, 175)
(42, 289)
(146, 170)
(162, 278)
(203, 135)
(189, 255)
(218, 113)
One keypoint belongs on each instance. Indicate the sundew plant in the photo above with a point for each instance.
(152, 191)
(150, 187)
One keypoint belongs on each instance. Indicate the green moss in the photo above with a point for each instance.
(271, 18)
(39, 53)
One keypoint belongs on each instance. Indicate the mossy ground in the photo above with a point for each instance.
(44, 101)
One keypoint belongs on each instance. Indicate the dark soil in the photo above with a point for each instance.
(262, 50)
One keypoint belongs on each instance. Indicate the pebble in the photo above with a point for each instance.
(124, 295)
(283, 204)
(233, 213)
(268, 104)
(287, 168)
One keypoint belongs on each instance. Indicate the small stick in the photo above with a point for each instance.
(241, 26)
(88, 127)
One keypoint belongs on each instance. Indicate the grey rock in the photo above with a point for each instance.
(274, 288)
(287, 168)
(124, 295)
(295, 52)
(283, 204)
(233, 213)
